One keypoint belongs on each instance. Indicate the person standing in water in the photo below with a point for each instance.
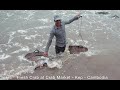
(59, 32)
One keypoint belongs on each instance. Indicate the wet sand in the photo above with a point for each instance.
(97, 67)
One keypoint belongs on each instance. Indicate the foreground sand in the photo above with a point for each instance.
(102, 67)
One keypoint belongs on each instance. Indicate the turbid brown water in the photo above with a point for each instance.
(23, 31)
(96, 67)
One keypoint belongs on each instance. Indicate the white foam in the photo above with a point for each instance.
(37, 44)
(51, 64)
(104, 32)
(92, 52)
(12, 33)
(21, 58)
(26, 48)
(44, 47)
(27, 37)
(17, 44)
(78, 42)
(28, 13)
(11, 36)
(31, 36)
(77, 32)
(43, 20)
(22, 31)
(4, 56)
(10, 14)
(92, 47)
(72, 41)
(42, 27)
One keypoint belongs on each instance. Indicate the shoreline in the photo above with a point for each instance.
(97, 67)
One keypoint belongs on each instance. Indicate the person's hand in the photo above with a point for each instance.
(45, 54)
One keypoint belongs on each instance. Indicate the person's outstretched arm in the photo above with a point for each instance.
(73, 19)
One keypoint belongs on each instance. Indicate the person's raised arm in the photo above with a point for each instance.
(73, 19)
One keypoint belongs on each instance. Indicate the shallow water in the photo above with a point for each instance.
(22, 31)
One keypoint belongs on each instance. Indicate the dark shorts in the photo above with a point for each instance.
(59, 49)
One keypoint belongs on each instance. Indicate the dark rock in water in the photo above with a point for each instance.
(115, 16)
(104, 13)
